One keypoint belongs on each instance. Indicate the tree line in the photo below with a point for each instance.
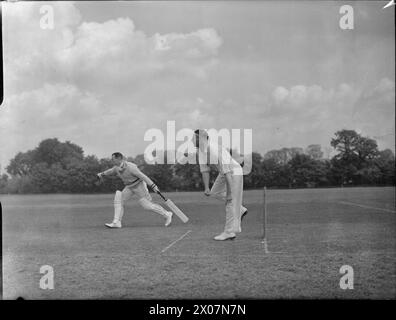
(61, 167)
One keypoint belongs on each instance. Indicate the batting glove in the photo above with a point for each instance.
(155, 188)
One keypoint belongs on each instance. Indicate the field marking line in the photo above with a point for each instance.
(172, 243)
(366, 207)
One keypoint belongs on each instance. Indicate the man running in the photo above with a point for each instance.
(228, 186)
(135, 186)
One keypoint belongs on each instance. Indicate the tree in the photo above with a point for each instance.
(53, 151)
(370, 174)
(19, 184)
(81, 175)
(355, 155)
(314, 151)
(3, 182)
(187, 177)
(385, 162)
(49, 178)
(21, 164)
(367, 149)
(307, 172)
(256, 178)
(282, 156)
(345, 143)
(276, 175)
(342, 172)
(354, 148)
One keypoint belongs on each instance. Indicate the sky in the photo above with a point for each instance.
(109, 71)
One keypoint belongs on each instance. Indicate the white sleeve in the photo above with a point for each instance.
(108, 172)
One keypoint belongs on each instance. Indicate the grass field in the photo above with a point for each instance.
(311, 234)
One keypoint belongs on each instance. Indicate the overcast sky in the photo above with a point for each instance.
(110, 71)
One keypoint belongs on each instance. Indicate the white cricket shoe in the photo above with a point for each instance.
(225, 236)
(114, 224)
(244, 214)
(168, 218)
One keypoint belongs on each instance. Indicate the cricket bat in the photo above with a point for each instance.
(174, 208)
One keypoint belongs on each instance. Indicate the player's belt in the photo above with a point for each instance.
(129, 184)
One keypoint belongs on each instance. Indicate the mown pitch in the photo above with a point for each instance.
(311, 234)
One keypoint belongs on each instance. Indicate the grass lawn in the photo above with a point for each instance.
(311, 234)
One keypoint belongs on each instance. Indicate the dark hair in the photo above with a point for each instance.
(117, 155)
(201, 132)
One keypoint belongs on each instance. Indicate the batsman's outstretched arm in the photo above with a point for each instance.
(106, 173)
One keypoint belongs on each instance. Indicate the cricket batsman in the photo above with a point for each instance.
(136, 183)
(228, 186)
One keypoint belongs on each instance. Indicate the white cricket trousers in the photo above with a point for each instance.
(234, 208)
(140, 193)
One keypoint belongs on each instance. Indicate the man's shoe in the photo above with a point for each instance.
(168, 218)
(225, 236)
(114, 224)
(244, 214)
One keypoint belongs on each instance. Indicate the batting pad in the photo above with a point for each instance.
(118, 206)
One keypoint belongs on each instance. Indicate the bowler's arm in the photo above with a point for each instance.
(205, 172)
(205, 179)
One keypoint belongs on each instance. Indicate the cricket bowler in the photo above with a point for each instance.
(135, 187)
(228, 186)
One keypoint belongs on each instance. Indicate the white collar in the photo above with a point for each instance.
(122, 165)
